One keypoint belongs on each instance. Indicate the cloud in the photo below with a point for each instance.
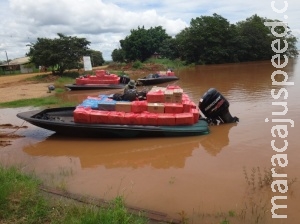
(105, 22)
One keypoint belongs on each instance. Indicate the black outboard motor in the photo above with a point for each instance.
(216, 108)
(124, 79)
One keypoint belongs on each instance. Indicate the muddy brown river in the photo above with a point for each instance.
(204, 178)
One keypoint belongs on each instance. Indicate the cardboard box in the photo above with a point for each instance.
(157, 88)
(107, 105)
(184, 119)
(149, 118)
(173, 87)
(156, 107)
(177, 93)
(169, 96)
(82, 114)
(99, 116)
(116, 117)
(123, 106)
(187, 105)
(196, 114)
(131, 119)
(166, 119)
(173, 108)
(139, 106)
(155, 96)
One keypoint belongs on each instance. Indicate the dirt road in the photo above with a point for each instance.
(14, 87)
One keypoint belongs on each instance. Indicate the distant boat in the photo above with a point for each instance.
(154, 79)
(102, 80)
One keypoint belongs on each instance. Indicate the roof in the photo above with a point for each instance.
(17, 61)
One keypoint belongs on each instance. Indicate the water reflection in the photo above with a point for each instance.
(159, 154)
(120, 153)
(210, 144)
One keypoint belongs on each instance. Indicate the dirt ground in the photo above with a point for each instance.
(15, 88)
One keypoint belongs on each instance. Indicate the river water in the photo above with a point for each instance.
(225, 174)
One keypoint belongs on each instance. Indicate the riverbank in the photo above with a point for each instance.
(22, 202)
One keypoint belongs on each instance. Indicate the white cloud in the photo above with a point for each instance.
(105, 22)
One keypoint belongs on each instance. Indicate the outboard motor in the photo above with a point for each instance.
(124, 79)
(216, 108)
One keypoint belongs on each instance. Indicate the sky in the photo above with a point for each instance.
(105, 22)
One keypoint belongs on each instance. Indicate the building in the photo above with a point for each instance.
(21, 64)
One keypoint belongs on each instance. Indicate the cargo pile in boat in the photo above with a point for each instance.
(101, 77)
(168, 106)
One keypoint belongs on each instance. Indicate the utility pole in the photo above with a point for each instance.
(7, 58)
(7, 61)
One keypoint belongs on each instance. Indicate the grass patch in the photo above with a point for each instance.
(41, 78)
(62, 81)
(37, 102)
(21, 201)
(116, 212)
(167, 63)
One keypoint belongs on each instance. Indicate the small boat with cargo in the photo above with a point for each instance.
(167, 112)
(101, 80)
(158, 78)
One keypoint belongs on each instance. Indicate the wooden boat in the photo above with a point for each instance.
(102, 80)
(154, 79)
(61, 121)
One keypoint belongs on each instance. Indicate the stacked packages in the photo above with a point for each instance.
(164, 107)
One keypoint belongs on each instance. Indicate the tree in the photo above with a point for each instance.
(96, 58)
(207, 40)
(141, 43)
(169, 49)
(118, 55)
(63, 53)
(257, 39)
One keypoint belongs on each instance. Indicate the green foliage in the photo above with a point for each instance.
(208, 40)
(137, 64)
(255, 39)
(37, 102)
(141, 44)
(71, 74)
(61, 53)
(22, 202)
(167, 63)
(116, 212)
(38, 78)
(96, 58)
(169, 49)
(118, 55)
(19, 198)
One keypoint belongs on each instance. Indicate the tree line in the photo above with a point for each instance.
(208, 40)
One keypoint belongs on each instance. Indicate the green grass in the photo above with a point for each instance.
(21, 201)
(37, 102)
(167, 63)
(38, 78)
(62, 81)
